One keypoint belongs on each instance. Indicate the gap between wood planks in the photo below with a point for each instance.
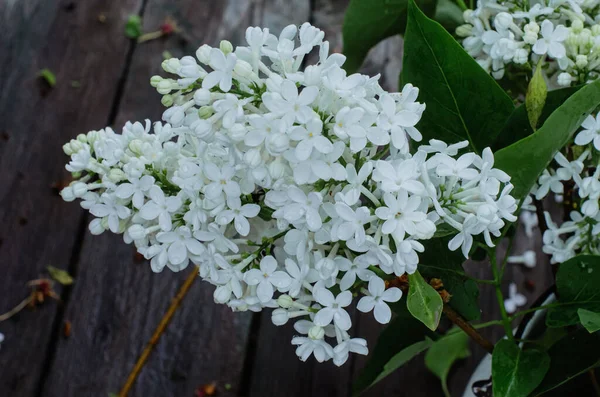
(72, 266)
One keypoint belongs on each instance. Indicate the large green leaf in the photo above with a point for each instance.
(449, 15)
(577, 286)
(367, 22)
(400, 340)
(517, 126)
(517, 372)
(463, 101)
(589, 319)
(424, 302)
(439, 262)
(573, 355)
(525, 160)
(444, 352)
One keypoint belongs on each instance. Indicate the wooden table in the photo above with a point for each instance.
(116, 301)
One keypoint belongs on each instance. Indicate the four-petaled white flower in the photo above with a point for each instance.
(590, 132)
(552, 40)
(135, 188)
(238, 214)
(333, 308)
(222, 70)
(160, 207)
(377, 298)
(110, 207)
(266, 278)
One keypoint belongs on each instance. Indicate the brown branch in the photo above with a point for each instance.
(164, 322)
(594, 381)
(463, 324)
(539, 210)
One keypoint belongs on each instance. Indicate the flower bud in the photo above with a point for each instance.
(222, 294)
(285, 301)
(205, 112)
(596, 30)
(174, 116)
(171, 65)
(253, 158)
(276, 169)
(312, 75)
(316, 332)
(577, 26)
(503, 20)
(532, 27)
(67, 149)
(581, 61)
(237, 132)
(202, 97)
(116, 175)
(521, 56)
(67, 194)
(243, 69)
(564, 79)
(82, 138)
(226, 47)
(93, 136)
(279, 317)
(164, 87)
(154, 80)
(203, 54)
(79, 189)
(75, 145)
(277, 144)
(167, 100)
(137, 232)
(98, 226)
(136, 146)
(464, 30)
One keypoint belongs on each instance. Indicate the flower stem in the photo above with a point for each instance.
(498, 277)
(164, 322)
(16, 309)
(467, 328)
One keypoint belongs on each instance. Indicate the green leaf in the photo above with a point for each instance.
(133, 27)
(537, 91)
(444, 352)
(59, 275)
(367, 22)
(463, 101)
(525, 160)
(517, 372)
(571, 356)
(437, 261)
(48, 77)
(577, 282)
(403, 357)
(517, 126)
(424, 302)
(397, 339)
(589, 319)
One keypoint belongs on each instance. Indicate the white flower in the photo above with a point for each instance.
(333, 308)
(590, 132)
(266, 278)
(352, 222)
(310, 137)
(222, 181)
(111, 208)
(355, 345)
(180, 245)
(317, 347)
(303, 206)
(222, 70)
(291, 105)
(354, 268)
(160, 207)
(352, 190)
(300, 275)
(401, 215)
(514, 299)
(396, 121)
(377, 298)
(552, 40)
(136, 188)
(238, 214)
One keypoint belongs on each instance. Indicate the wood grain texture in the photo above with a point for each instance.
(37, 228)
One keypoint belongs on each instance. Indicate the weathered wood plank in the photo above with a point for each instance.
(36, 227)
(117, 304)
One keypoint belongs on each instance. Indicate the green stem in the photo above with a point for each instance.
(462, 5)
(498, 277)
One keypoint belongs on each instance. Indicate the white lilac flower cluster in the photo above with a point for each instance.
(566, 33)
(577, 179)
(289, 189)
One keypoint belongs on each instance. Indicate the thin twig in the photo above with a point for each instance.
(164, 322)
(539, 210)
(16, 309)
(468, 328)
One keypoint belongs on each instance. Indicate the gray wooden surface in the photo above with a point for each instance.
(116, 301)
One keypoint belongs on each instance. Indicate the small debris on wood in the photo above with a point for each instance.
(70, 6)
(207, 390)
(138, 258)
(75, 84)
(4, 136)
(133, 27)
(67, 328)
(49, 77)
(102, 17)
(61, 276)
